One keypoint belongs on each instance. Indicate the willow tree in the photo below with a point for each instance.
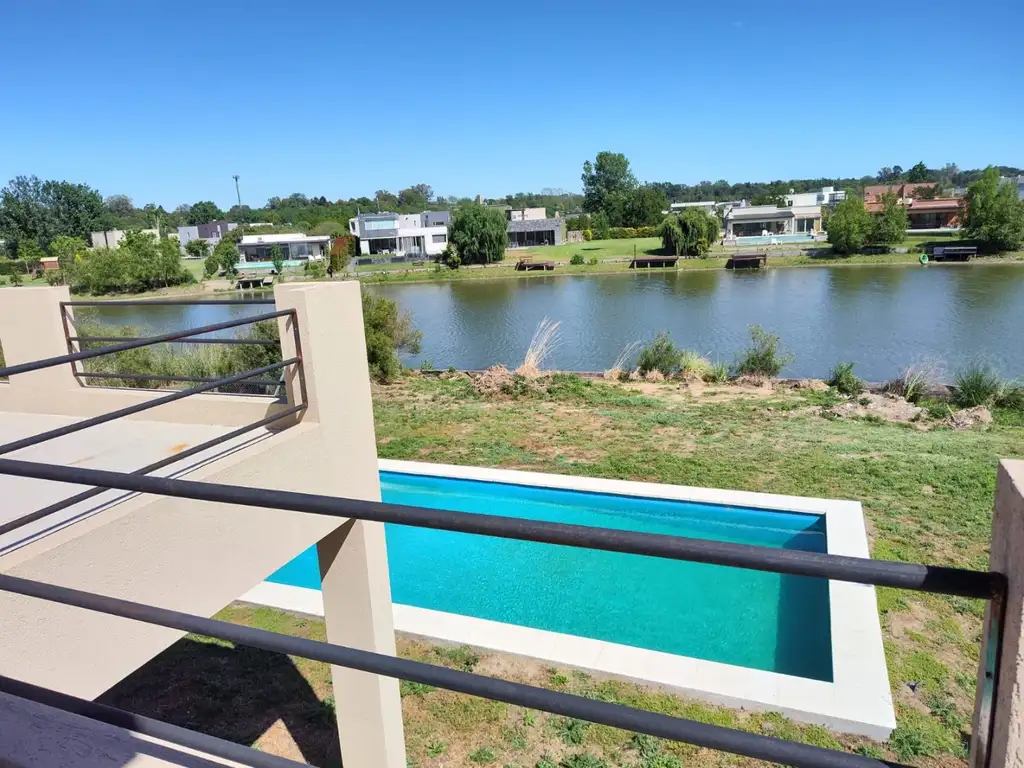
(688, 233)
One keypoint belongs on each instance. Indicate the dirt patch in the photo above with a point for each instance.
(888, 407)
(721, 393)
(494, 381)
(968, 418)
(813, 385)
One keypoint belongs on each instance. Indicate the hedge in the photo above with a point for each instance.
(10, 266)
(624, 233)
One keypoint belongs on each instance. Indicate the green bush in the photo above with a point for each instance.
(588, 235)
(140, 263)
(211, 266)
(977, 385)
(592, 261)
(1012, 398)
(844, 381)
(764, 356)
(16, 278)
(911, 383)
(10, 266)
(849, 225)
(577, 259)
(692, 364)
(388, 332)
(690, 233)
(660, 355)
(571, 730)
(716, 373)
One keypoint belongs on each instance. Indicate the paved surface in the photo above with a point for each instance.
(122, 445)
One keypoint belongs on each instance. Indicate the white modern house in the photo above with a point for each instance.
(767, 220)
(823, 196)
(212, 232)
(295, 248)
(708, 206)
(401, 234)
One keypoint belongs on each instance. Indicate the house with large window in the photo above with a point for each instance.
(767, 220)
(925, 210)
(823, 196)
(257, 250)
(212, 232)
(401, 235)
(531, 226)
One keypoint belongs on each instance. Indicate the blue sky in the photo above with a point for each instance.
(165, 101)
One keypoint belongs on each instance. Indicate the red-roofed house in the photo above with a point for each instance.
(937, 213)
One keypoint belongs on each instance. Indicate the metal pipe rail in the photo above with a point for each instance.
(166, 302)
(922, 578)
(616, 715)
(88, 354)
(107, 339)
(181, 394)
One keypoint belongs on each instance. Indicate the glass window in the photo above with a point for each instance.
(381, 224)
(440, 238)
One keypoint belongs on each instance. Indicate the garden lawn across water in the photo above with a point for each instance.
(927, 497)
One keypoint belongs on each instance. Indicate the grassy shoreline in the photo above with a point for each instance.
(926, 490)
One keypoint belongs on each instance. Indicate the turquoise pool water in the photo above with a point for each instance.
(760, 620)
(760, 240)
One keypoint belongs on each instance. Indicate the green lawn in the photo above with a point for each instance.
(927, 493)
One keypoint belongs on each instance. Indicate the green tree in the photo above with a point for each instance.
(849, 225)
(211, 266)
(197, 248)
(994, 214)
(69, 252)
(918, 173)
(600, 225)
(30, 253)
(16, 278)
(277, 258)
(77, 209)
(644, 207)
(417, 196)
(36, 210)
(227, 256)
(478, 233)
(890, 226)
(689, 233)
(606, 184)
(120, 205)
(202, 212)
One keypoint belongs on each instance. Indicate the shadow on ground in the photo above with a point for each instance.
(235, 693)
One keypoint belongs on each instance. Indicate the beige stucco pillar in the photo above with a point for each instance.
(30, 330)
(1006, 747)
(353, 559)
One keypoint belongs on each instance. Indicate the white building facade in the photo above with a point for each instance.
(824, 196)
(295, 248)
(403, 235)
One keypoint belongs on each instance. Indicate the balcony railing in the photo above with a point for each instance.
(991, 586)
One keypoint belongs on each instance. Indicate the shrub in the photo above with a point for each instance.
(211, 266)
(912, 382)
(977, 385)
(577, 259)
(692, 365)
(716, 373)
(588, 235)
(10, 266)
(15, 278)
(844, 381)
(660, 355)
(316, 269)
(388, 332)
(763, 357)
(1011, 398)
(592, 261)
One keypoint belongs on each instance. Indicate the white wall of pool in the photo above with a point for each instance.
(856, 700)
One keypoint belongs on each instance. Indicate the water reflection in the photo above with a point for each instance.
(882, 318)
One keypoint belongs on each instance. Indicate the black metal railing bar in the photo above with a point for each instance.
(569, 705)
(136, 343)
(913, 576)
(166, 302)
(39, 514)
(227, 340)
(68, 429)
(173, 734)
(160, 377)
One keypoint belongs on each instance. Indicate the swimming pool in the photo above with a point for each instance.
(767, 240)
(808, 648)
(769, 621)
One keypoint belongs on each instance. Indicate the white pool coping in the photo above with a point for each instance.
(858, 701)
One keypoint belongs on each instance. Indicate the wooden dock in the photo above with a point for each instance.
(646, 262)
(251, 281)
(751, 260)
(954, 253)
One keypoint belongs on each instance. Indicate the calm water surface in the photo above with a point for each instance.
(883, 318)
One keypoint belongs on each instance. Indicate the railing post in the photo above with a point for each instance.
(998, 726)
(30, 330)
(353, 558)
